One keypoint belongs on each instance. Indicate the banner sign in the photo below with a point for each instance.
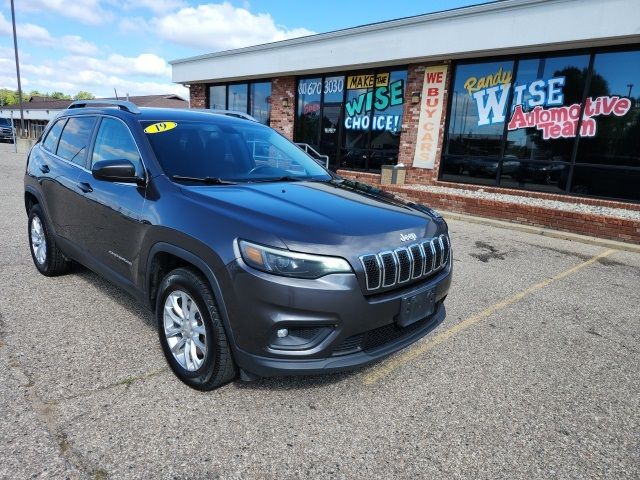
(366, 81)
(540, 105)
(384, 96)
(431, 107)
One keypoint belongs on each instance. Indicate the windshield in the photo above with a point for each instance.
(229, 151)
(5, 122)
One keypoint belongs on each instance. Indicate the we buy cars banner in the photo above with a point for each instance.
(431, 108)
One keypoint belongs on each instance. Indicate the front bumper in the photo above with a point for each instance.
(358, 329)
(268, 367)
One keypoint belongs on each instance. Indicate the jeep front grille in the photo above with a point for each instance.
(389, 268)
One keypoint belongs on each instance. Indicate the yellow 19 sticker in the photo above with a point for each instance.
(160, 127)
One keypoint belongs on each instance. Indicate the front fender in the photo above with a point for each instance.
(202, 257)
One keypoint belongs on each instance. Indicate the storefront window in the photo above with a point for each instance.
(547, 83)
(387, 120)
(620, 183)
(333, 95)
(253, 98)
(355, 119)
(476, 127)
(308, 112)
(357, 123)
(260, 99)
(613, 151)
(373, 119)
(521, 123)
(218, 97)
(237, 98)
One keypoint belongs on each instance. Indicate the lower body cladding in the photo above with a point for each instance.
(287, 326)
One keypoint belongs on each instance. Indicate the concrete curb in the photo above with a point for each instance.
(547, 232)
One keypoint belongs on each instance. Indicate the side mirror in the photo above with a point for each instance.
(120, 170)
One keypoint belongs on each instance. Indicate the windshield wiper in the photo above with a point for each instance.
(205, 180)
(284, 178)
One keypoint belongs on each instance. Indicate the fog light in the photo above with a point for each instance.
(298, 338)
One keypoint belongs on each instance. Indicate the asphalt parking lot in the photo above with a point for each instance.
(535, 373)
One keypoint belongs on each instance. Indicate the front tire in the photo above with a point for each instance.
(46, 255)
(191, 332)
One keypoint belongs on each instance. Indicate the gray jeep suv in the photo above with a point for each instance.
(255, 259)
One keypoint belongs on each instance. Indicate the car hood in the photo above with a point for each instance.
(333, 218)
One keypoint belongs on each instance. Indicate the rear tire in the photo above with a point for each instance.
(191, 332)
(46, 255)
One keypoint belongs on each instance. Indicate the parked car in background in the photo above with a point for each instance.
(6, 130)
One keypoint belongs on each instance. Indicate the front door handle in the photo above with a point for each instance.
(85, 187)
(44, 168)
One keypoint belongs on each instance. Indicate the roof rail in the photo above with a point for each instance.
(228, 113)
(121, 104)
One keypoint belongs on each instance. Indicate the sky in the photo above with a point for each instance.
(99, 45)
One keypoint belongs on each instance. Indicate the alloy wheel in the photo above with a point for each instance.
(184, 330)
(38, 240)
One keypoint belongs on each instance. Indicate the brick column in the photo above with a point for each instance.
(282, 118)
(411, 115)
(410, 119)
(198, 95)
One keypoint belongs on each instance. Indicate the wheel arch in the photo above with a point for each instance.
(164, 257)
(31, 197)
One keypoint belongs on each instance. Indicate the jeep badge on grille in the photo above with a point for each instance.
(407, 237)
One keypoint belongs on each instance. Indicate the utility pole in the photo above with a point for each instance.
(15, 46)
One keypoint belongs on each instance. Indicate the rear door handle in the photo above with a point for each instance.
(85, 187)
(44, 168)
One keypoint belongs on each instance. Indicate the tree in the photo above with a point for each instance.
(8, 97)
(82, 95)
(60, 96)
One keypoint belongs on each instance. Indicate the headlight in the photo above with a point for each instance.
(290, 264)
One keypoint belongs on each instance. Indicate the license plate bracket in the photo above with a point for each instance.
(416, 307)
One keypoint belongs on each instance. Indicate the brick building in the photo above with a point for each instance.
(523, 110)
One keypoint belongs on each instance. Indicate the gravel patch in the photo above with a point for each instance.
(534, 202)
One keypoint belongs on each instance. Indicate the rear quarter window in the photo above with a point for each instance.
(51, 140)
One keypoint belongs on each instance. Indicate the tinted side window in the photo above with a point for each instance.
(114, 142)
(51, 141)
(75, 139)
